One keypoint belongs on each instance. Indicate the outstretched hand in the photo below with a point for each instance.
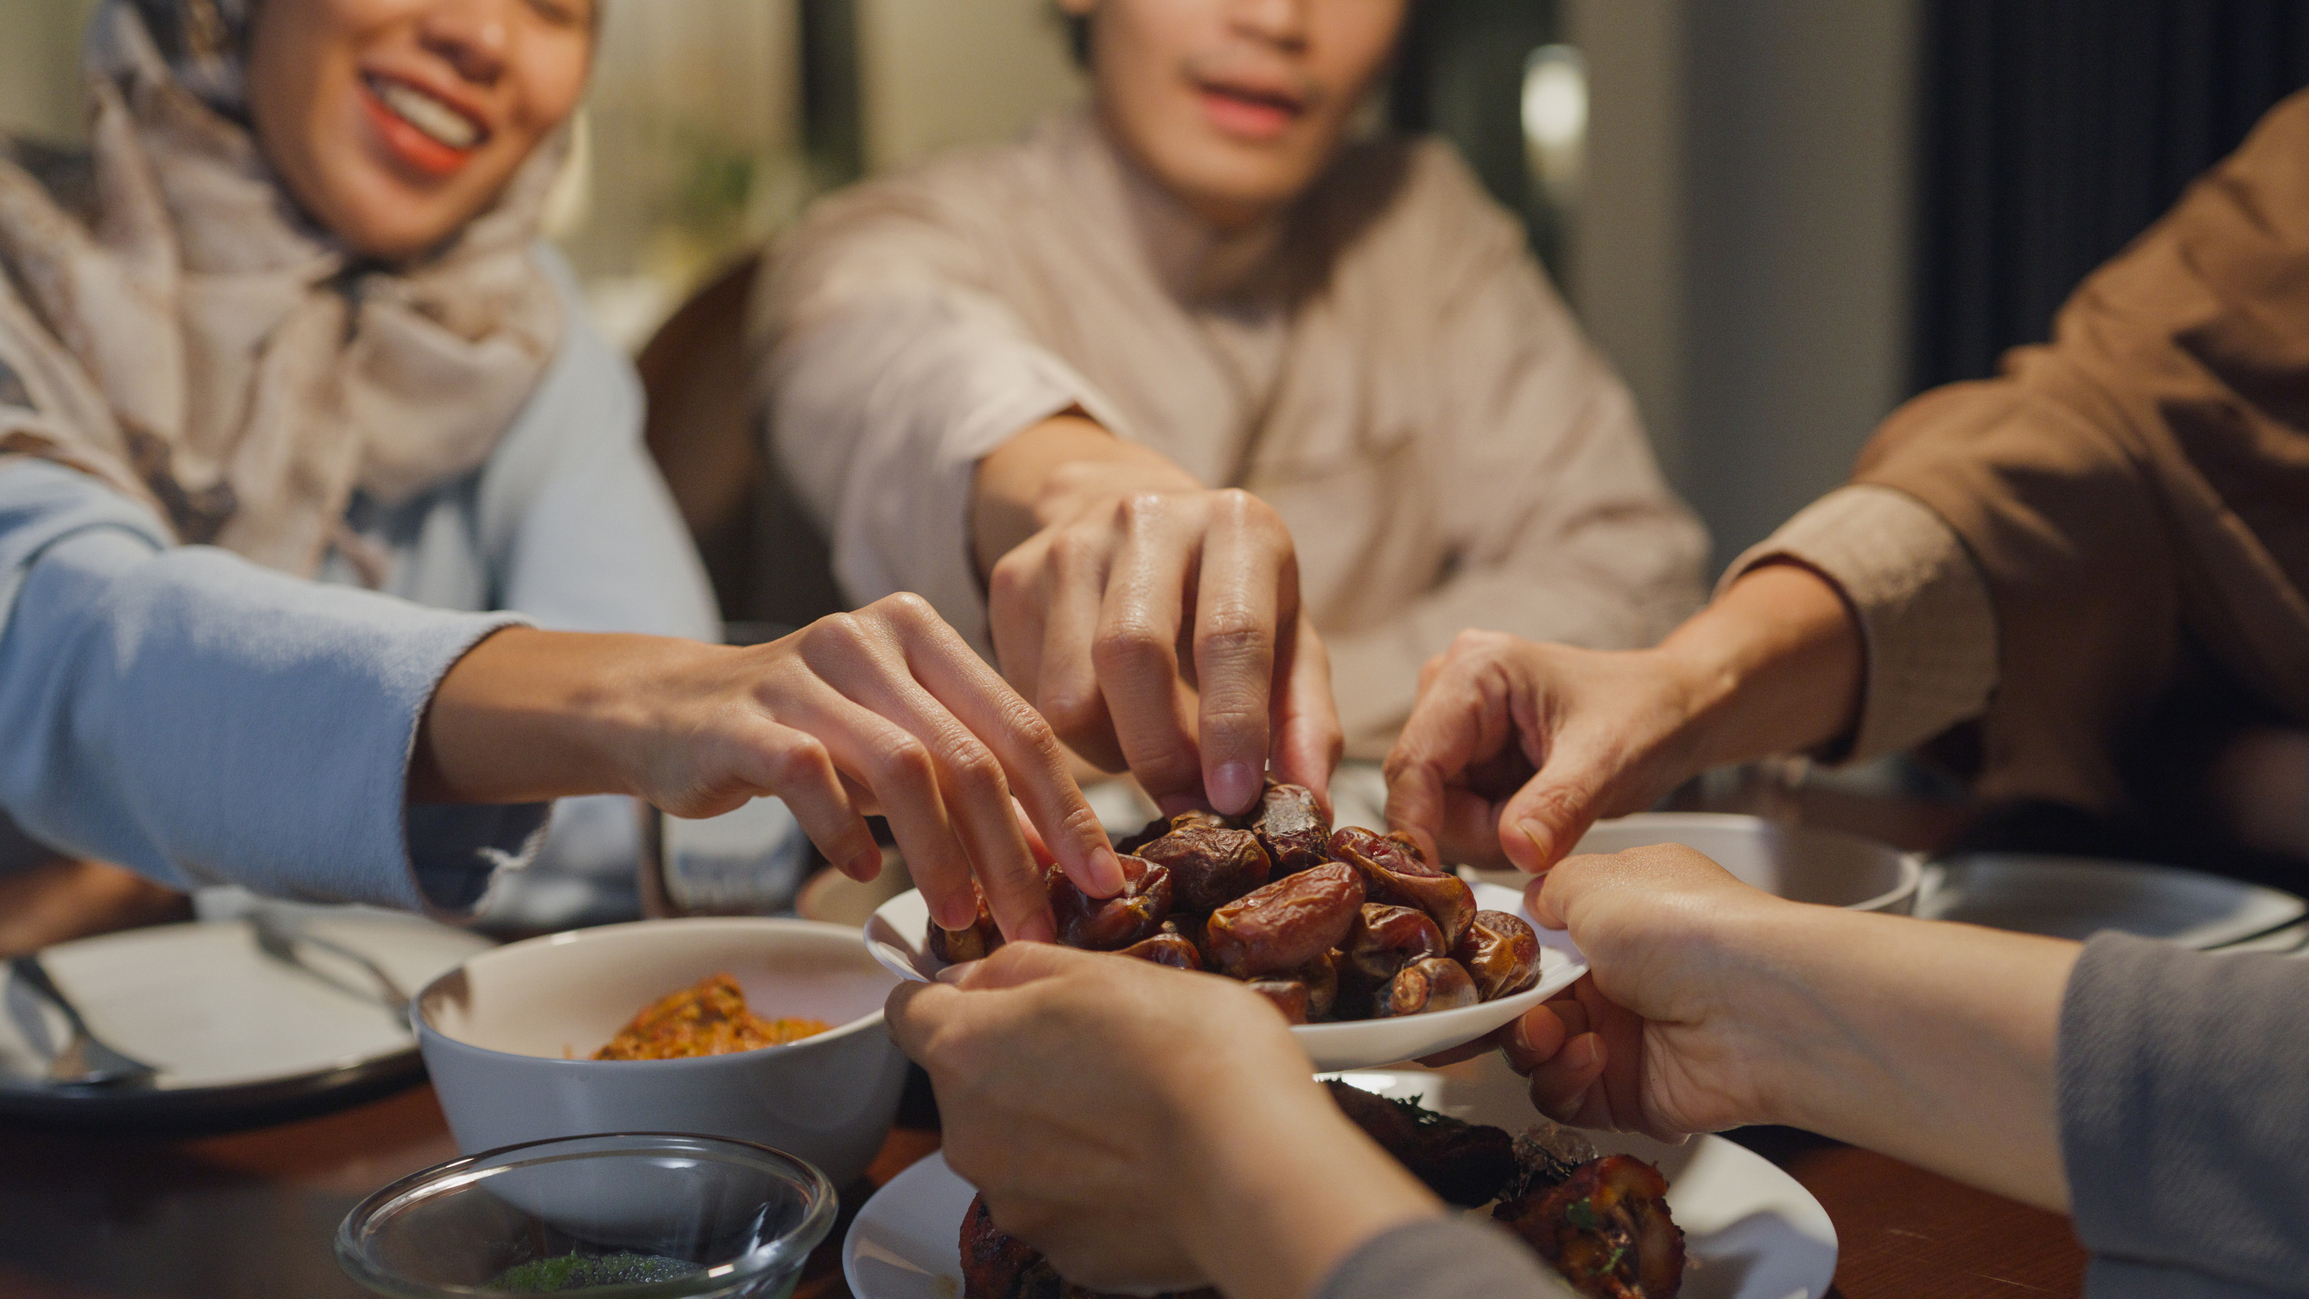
(1104, 560)
(1663, 1035)
(1515, 748)
(882, 711)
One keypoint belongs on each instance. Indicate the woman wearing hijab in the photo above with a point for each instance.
(282, 364)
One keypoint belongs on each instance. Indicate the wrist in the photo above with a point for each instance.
(1053, 471)
(1930, 1043)
(624, 701)
(1781, 1034)
(1701, 682)
(530, 715)
(1774, 665)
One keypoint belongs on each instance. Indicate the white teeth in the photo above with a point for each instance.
(428, 114)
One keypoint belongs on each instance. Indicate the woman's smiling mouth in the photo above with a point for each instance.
(419, 127)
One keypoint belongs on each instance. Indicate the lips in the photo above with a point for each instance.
(421, 128)
(1249, 111)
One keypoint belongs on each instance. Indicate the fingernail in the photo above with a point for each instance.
(1105, 872)
(1036, 929)
(1538, 837)
(956, 973)
(1233, 787)
(1523, 1035)
(1581, 1053)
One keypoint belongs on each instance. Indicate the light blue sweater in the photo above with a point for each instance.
(203, 720)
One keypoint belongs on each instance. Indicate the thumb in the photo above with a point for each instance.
(1552, 897)
(1544, 820)
(914, 1012)
(1016, 964)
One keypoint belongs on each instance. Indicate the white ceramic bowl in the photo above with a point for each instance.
(507, 1036)
(896, 934)
(1799, 862)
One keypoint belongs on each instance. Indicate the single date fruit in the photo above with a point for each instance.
(1501, 954)
(1111, 924)
(1394, 871)
(1130, 843)
(1384, 939)
(1288, 996)
(1293, 828)
(973, 944)
(1281, 926)
(1166, 949)
(1209, 867)
(1321, 976)
(1437, 983)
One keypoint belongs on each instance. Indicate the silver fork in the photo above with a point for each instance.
(86, 1060)
(278, 939)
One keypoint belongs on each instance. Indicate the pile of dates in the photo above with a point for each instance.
(1327, 925)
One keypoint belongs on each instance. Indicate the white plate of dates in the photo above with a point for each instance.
(1704, 1220)
(1373, 953)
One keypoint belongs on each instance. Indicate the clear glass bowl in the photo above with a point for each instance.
(630, 1216)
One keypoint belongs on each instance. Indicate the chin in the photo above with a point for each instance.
(382, 219)
(1234, 187)
(1218, 170)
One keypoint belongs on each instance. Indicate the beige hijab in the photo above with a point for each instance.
(170, 322)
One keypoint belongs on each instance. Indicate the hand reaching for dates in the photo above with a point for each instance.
(1325, 925)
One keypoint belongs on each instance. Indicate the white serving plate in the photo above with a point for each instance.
(231, 1029)
(2077, 897)
(1750, 1230)
(896, 936)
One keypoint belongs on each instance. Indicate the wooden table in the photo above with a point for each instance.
(251, 1215)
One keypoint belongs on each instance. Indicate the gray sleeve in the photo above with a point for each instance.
(1443, 1258)
(2184, 1114)
(203, 720)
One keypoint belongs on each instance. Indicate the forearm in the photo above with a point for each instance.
(1048, 473)
(1775, 666)
(1932, 1043)
(530, 715)
(1292, 1190)
(153, 698)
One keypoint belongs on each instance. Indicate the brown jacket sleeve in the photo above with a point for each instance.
(2138, 489)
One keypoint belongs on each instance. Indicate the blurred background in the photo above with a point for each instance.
(1778, 217)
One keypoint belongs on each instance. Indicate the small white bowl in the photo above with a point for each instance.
(897, 932)
(507, 1037)
(1799, 862)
